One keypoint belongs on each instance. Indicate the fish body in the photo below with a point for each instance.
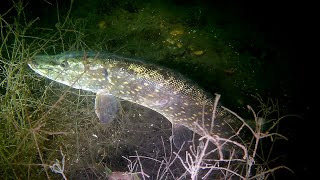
(182, 102)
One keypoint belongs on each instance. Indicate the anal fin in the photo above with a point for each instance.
(182, 136)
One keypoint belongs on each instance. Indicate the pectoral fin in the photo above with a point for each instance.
(106, 107)
(182, 136)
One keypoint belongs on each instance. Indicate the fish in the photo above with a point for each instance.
(184, 103)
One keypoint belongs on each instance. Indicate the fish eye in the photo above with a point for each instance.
(64, 64)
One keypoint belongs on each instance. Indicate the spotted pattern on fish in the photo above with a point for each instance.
(165, 91)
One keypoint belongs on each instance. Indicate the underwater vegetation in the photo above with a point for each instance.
(50, 130)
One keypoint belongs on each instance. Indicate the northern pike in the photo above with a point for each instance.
(181, 101)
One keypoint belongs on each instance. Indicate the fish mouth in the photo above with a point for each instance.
(35, 64)
(31, 64)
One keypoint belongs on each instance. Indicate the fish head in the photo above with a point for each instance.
(76, 70)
